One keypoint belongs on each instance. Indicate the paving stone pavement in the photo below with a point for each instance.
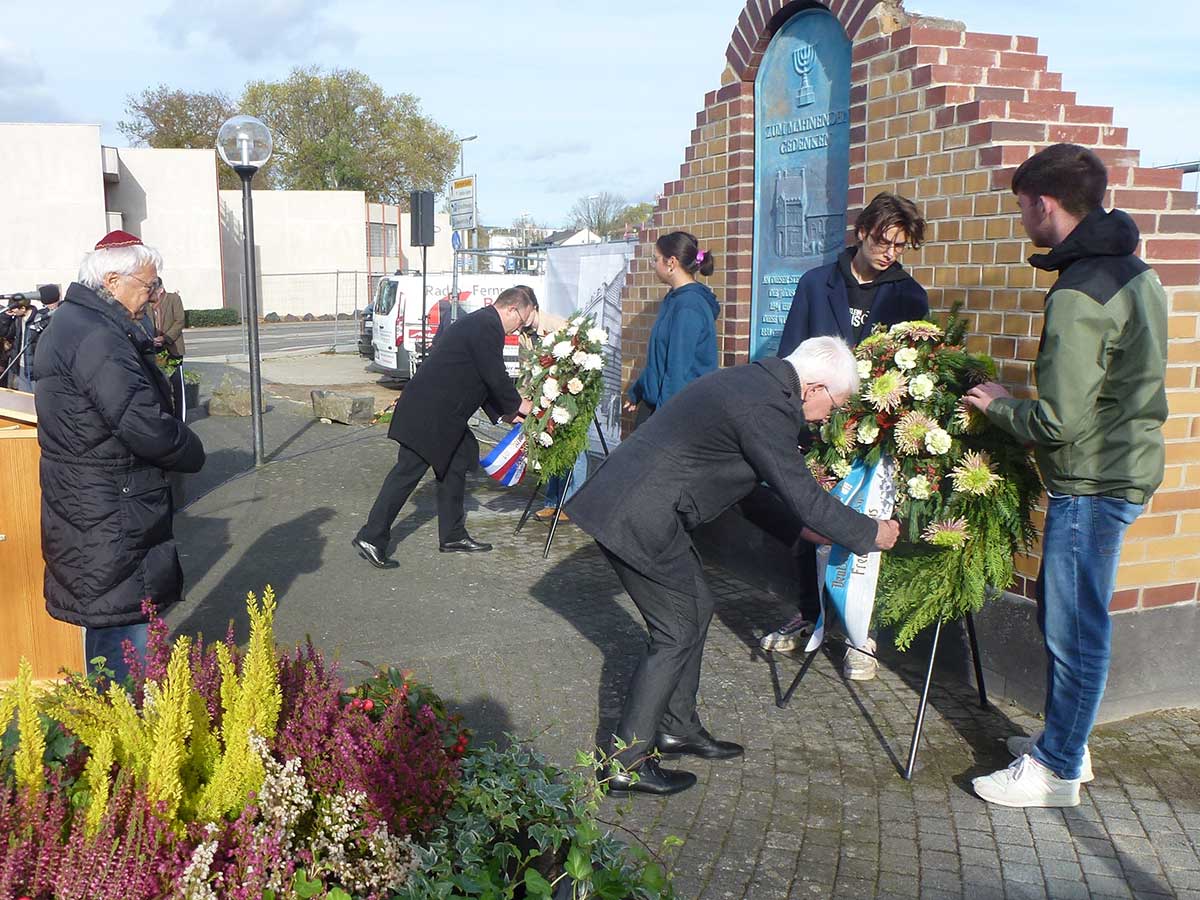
(543, 648)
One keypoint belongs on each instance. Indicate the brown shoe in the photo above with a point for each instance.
(547, 515)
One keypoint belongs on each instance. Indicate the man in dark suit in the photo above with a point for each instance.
(697, 456)
(464, 372)
(864, 287)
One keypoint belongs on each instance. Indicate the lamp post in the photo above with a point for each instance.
(244, 144)
(462, 170)
(594, 214)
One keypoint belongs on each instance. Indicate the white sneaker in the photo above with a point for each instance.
(1027, 783)
(1019, 745)
(790, 636)
(859, 666)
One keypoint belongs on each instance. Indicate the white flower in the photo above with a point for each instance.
(572, 331)
(546, 401)
(550, 389)
(906, 358)
(574, 385)
(545, 438)
(536, 464)
(937, 441)
(597, 336)
(593, 363)
(864, 368)
(918, 487)
(921, 387)
(560, 415)
(841, 468)
(579, 357)
(548, 340)
(537, 370)
(562, 349)
(868, 430)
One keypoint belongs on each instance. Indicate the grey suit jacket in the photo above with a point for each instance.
(697, 456)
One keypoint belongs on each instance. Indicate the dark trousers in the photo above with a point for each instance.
(662, 692)
(403, 479)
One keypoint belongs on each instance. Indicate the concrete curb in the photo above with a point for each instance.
(277, 354)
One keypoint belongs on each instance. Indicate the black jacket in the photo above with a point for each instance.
(821, 307)
(697, 456)
(464, 371)
(107, 438)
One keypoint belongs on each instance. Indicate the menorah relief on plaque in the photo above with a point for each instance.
(802, 60)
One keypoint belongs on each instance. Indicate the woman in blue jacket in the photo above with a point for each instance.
(683, 340)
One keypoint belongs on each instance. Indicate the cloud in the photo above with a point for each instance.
(287, 28)
(23, 93)
(544, 152)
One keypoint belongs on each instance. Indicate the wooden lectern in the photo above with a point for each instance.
(26, 629)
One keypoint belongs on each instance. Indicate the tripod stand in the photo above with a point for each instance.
(562, 497)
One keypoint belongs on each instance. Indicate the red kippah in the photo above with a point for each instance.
(118, 239)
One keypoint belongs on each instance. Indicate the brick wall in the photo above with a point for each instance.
(943, 116)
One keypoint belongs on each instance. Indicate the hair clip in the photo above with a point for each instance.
(700, 255)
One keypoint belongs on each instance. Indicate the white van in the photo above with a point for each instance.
(396, 333)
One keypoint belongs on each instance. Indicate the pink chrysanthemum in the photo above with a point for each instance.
(911, 431)
(974, 474)
(951, 533)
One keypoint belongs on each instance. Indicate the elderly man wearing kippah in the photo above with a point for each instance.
(108, 438)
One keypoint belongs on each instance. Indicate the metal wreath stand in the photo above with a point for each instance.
(562, 495)
(782, 698)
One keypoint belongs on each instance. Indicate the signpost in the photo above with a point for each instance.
(462, 203)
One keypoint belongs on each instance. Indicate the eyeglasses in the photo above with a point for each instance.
(898, 247)
(152, 287)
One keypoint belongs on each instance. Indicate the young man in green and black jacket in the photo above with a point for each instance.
(1096, 430)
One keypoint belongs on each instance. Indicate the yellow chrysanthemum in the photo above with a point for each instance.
(974, 474)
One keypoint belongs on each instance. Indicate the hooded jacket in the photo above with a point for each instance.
(1096, 425)
(821, 305)
(683, 344)
(107, 438)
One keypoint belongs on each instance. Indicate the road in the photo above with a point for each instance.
(215, 344)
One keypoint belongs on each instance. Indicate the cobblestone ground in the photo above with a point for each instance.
(543, 649)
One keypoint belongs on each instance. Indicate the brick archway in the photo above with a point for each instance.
(943, 114)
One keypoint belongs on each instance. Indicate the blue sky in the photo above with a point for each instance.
(567, 99)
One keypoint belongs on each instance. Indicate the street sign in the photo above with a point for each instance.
(462, 203)
(456, 241)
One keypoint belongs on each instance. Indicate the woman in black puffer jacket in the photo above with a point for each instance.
(108, 437)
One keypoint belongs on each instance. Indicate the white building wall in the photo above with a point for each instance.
(311, 251)
(440, 255)
(168, 198)
(51, 202)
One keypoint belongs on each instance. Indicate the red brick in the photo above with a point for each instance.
(1123, 600)
(983, 92)
(1181, 200)
(868, 49)
(1065, 98)
(1118, 156)
(955, 74)
(945, 94)
(858, 93)
(1008, 155)
(1147, 223)
(1132, 199)
(1178, 274)
(1181, 224)
(1173, 249)
(858, 73)
(1167, 178)
(1074, 134)
(944, 117)
(910, 57)
(1169, 594)
(1036, 112)
(938, 37)
(1030, 61)
(735, 59)
(858, 155)
(1026, 44)
(958, 56)
(1022, 78)
(858, 134)
(858, 113)
(1100, 115)
(1002, 178)
(980, 109)
(983, 41)
(985, 132)
(1049, 81)
(729, 91)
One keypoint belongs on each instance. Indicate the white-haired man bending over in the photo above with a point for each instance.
(704, 451)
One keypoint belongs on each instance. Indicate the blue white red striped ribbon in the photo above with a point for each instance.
(506, 462)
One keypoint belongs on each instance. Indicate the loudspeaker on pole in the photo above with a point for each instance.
(420, 210)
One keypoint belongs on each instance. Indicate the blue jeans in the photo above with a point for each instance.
(1081, 547)
(107, 642)
(555, 483)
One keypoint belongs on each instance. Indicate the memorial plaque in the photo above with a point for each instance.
(801, 164)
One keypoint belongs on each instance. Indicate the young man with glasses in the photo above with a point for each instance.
(864, 287)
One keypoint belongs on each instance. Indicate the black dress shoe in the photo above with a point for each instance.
(465, 545)
(701, 744)
(374, 555)
(651, 779)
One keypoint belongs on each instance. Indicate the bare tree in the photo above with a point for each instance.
(599, 212)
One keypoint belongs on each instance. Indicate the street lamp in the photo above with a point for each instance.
(244, 144)
(594, 215)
